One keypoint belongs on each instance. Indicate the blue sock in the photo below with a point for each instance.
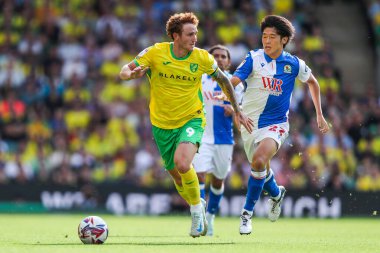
(214, 199)
(202, 188)
(270, 185)
(255, 187)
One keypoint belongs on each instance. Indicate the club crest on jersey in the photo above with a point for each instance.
(193, 67)
(287, 69)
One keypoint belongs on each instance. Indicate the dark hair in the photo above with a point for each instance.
(283, 26)
(213, 48)
(176, 21)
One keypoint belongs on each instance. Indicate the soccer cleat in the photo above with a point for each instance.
(245, 223)
(210, 222)
(275, 205)
(197, 224)
(205, 222)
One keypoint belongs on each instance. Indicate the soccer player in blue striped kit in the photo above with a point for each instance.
(270, 75)
(215, 153)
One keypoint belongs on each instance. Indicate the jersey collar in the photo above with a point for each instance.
(268, 59)
(175, 57)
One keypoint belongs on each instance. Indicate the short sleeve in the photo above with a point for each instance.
(211, 65)
(304, 71)
(245, 68)
(144, 57)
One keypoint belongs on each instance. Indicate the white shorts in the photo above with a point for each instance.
(215, 159)
(277, 132)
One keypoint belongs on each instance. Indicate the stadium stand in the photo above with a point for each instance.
(66, 117)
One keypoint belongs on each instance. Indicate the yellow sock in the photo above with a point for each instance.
(190, 184)
(181, 191)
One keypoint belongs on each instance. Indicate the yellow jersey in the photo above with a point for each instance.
(176, 89)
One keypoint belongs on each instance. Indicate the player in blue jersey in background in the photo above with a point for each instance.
(215, 153)
(270, 75)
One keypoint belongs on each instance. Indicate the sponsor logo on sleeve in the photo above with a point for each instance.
(241, 64)
(142, 53)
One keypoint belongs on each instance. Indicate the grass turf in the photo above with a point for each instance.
(169, 234)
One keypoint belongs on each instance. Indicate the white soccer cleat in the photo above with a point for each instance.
(245, 223)
(199, 222)
(275, 205)
(210, 222)
(205, 222)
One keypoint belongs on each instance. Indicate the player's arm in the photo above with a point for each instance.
(242, 73)
(316, 97)
(228, 89)
(235, 80)
(228, 110)
(239, 90)
(132, 71)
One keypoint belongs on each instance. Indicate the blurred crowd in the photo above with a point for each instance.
(373, 9)
(66, 118)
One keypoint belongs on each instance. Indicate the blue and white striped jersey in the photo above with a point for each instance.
(219, 128)
(270, 85)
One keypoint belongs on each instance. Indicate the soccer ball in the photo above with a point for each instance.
(93, 230)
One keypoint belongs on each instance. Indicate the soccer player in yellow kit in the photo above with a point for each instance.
(174, 71)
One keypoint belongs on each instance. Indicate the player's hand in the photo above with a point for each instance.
(221, 97)
(322, 124)
(228, 110)
(138, 72)
(241, 118)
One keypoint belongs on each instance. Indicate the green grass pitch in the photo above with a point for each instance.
(169, 234)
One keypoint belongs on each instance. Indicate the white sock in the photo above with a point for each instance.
(196, 208)
(217, 191)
